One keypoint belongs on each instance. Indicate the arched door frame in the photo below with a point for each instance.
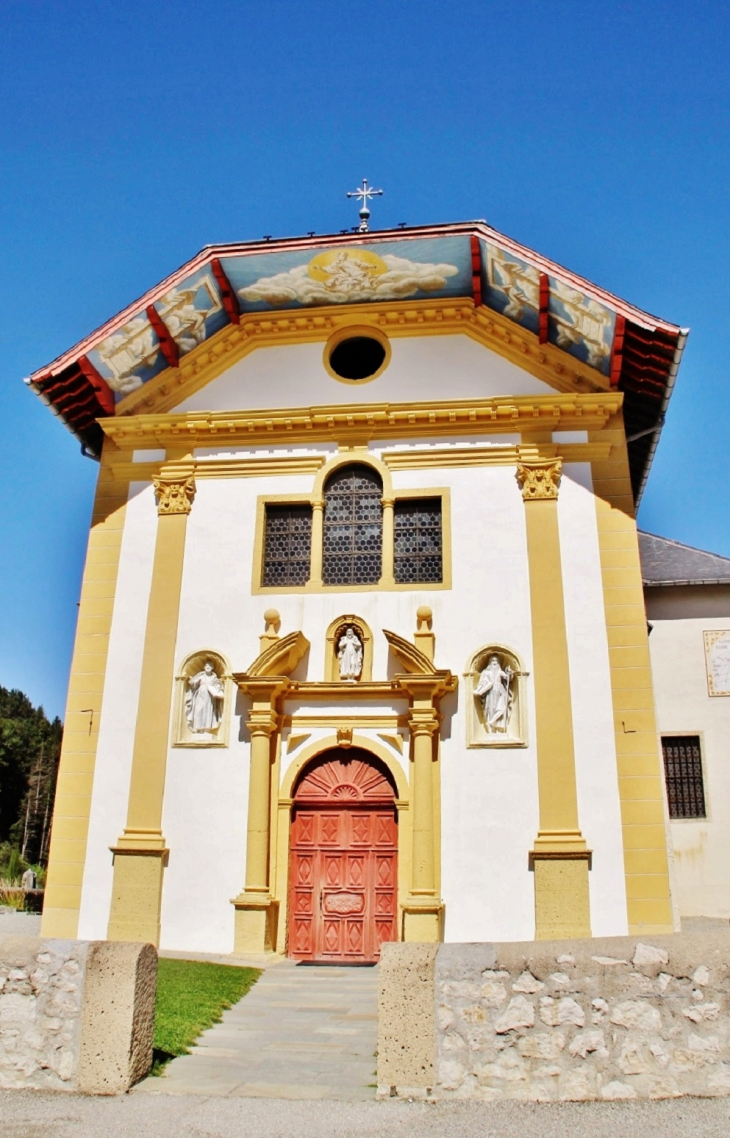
(284, 813)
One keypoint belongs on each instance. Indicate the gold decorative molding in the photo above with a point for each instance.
(495, 455)
(344, 737)
(356, 423)
(238, 467)
(410, 658)
(539, 480)
(174, 495)
(279, 659)
(396, 319)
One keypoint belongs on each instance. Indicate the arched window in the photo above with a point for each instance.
(353, 527)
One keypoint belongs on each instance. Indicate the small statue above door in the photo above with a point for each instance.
(349, 655)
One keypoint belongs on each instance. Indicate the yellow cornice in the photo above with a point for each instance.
(357, 423)
(494, 455)
(124, 470)
(205, 363)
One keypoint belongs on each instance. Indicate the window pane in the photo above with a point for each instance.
(683, 776)
(418, 550)
(353, 527)
(287, 545)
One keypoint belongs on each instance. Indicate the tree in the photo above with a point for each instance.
(30, 746)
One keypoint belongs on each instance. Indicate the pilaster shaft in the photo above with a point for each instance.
(388, 563)
(560, 859)
(317, 553)
(255, 920)
(140, 854)
(261, 727)
(423, 908)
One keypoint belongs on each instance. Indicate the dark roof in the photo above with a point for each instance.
(644, 356)
(666, 562)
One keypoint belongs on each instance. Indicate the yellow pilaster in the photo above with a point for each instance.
(424, 638)
(315, 579)
(641, 783)
(84, 706)
(423, 908)
(140, 854)
(255, 920)
(388, 578)
(560, 859)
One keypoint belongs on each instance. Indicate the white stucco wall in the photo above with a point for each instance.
(684, 707)
(599, 807)
(294, 375)
(489, 802)
(112, 770)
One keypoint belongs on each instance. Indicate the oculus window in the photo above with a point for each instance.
(683, 776)
(287, 545)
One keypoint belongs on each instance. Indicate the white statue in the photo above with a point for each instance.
(349, 654)
(204, 700)
(494, 692)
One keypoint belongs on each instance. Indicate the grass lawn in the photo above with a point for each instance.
(191, 996)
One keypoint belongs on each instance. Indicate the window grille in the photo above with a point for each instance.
(353, 527)
(418, 541)
(683, 776)
(287, 545)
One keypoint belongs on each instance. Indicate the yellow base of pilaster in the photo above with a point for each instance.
(137, 895)
(423, 920)
(562, 902)
(255, 924)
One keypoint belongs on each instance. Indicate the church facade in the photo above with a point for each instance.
(362, 623)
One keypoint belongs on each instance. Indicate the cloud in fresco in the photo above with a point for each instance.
(348, 277)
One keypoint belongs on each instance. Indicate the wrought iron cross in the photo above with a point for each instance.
(364, 193)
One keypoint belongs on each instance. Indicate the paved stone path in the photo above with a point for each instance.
(301, 1033)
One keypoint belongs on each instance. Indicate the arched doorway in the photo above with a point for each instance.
(344, 851)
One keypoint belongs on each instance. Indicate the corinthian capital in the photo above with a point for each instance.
(539, 480)
(174, 495)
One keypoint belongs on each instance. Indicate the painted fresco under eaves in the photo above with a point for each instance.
(192, 311)
(577, 323)
(388, 270)
(436, 268)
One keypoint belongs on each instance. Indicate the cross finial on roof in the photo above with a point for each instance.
(365, 192)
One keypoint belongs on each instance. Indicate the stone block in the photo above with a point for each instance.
(118, 1017)
(406, 1016)
(75, 1015)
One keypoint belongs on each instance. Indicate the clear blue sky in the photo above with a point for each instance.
(133, 133)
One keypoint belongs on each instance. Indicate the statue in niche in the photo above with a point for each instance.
(204, 700)
(349, 655)
(495, 694)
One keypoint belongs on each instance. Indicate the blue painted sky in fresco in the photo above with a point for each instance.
(133, 134)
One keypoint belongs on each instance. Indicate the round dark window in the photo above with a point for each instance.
(359, 357)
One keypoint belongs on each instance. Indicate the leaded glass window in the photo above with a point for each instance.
(353, 527)
(683, 776)
(287, 545)
(418, 541)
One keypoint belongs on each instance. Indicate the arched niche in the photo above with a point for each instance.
(496, 711)
(335, 633)
(201, 714)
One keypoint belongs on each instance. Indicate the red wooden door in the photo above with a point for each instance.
(343, 870)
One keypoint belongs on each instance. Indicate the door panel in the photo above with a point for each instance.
(343, 893)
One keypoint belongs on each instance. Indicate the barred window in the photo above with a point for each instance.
(418, 541)
(353, 527)
(287, 545)
(683, 776)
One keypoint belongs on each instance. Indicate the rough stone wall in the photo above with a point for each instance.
(75, 1015)
(41, 992)
(588, 1019)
